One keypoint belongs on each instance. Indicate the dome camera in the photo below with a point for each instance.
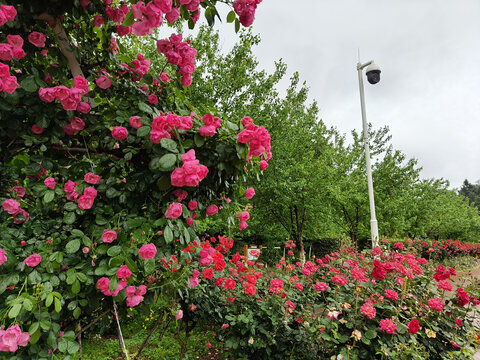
(373, 73)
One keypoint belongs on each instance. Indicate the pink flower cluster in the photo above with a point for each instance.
(69, 189)
(242, 218)
(12, 49)
(8, 83)
(245, 10)
(258, 140)
(211, 125)
(151, 16)
(191, 173)
(104, 283)
(163, 126)
(181, 54)
(7, 12)
(388, 325)
(140, 67)
(174, 211)
(70, 99)
(13, 337)
(73, 126)
(33, 260)
(13, 208)
(117, 15)
(135, 296)
(85, 201)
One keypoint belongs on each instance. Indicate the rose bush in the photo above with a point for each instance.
(376, 304)
(97, 150)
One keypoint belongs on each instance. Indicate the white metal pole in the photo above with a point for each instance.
(373, 219)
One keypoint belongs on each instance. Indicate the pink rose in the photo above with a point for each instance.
(46, 94)
(179, 315)
(37, 130)
(24, 216)
(153, 99)
(249, 193)
(130, 291)
(18, 53)
(141, 290)
(263, 165)
(172, 15)
(91, 178)
(119, 133)
(147, 251)
(81, 83)
(11, 206)
(103, 82)
(20, 190)
(4, 70)
(108, 236)
(242, 225)
(37, 39)
(49, 182)
(6, 53)
(124, 272)
(61, 92)
(10, 84)
(243, 216)
(90, 192)
(84, 108)
(212, 210)
(207, 130)
(174, 211)
(192, 205)
(33, 260)
(189, 221)
(9, 11)
(15, 41)
(3, 256)
(135, 122)
(85, 250)
(85, 202)
(134, 300)
(98, 20)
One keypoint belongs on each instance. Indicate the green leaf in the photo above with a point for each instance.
(69, 218)
(34, 327)
(29, 84)
(72, 347)
(149, 266)
(128, 19)
(199, 140)
(35, 337)
(169, 144)
(62, 345)
(14, 311)
(58, 305)
(186, 235)
(76, 287)
(145, 108)
(49, 300)
(72, 246)
(28, 305)
(49, 196)
(70, 206)
(164, 163)
(77, 312)
(232, 126)
(114, 251)
(167, 234)
(370, 334)
(231, 17)
(77, 233)
(135, 222)
(143, 131)
(32, 169)
(237, 25)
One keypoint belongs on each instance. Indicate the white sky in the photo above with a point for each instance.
(429, 53)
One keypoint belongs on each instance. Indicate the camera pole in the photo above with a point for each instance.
(373, 219)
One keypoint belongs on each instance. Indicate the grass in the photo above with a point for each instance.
(97, 347)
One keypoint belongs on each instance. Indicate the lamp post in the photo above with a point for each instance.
(373, 76)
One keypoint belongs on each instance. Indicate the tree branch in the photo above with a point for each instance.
(63, 42)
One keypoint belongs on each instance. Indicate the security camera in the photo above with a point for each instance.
(373, 73)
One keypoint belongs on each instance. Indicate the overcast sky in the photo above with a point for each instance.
(429, 54)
